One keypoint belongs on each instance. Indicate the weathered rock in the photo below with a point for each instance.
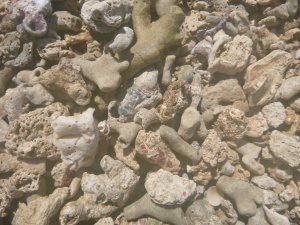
(263, 77)
(41, 210)
(106, 16)
(155, 150)
(274, 114)
(199, 212)
(264, 182)
(144, 206)
(234, 56)
(115, 186)
(164, 188)
(245, 195)
(30, 136)
(285, 148)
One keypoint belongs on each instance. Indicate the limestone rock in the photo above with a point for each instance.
(164, 188)
(285, 148)
(199, 212)
(30, 136)
(232, 124)
(67, 78)
(264, 182)
(115, 186)
(274, 114)
(155, 150)
(41, 210)
(234, 56)
(263, 77)
(106, 16)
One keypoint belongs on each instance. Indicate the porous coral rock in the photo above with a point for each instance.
(63, 20)
(144, 93)
(53, 50)
(144, 206)
(75, 211)
(234, 56)
(213, 149)
(61, 174)
(106, 16)
(9, 163)
(17, 100)
(152, 38)
(152, 148)
(33, 13)
(125, 155)
(10, 46)
(164, 188)
(232, 124)
(262, 78)
(116, 185)
(41, 210)
(5, 201)
(30, 135)
(66, 77)
(285, 147)
(258, 125)
(291, 192)
(175, 100)
(77, 138)
(245, 195)
(24, 58)
(105, 71)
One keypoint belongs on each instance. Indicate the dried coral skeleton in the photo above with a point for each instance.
(149, 112)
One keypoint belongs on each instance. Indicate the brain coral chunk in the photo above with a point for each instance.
(30, 136)
(77, 138)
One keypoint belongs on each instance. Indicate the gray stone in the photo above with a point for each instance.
(274, 114)
(264, 182)
(286, 148)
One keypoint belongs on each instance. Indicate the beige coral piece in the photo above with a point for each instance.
(234, 57)
(105, 71)
(41, 210)
(262, 78)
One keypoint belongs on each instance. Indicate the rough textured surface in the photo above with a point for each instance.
(115, 186)
(41, 210)
(31, 135)
(77, 138)
(234, 56)
(245, 195)
(213, 149)
(274, 114)
(106, 16)
(285, 148)
(263, 77)
(199, 212)
(175, 100)
(164, 188)
(232, 124)
(66, 77)
(75, 211)
(153, 149)
(144, 206)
